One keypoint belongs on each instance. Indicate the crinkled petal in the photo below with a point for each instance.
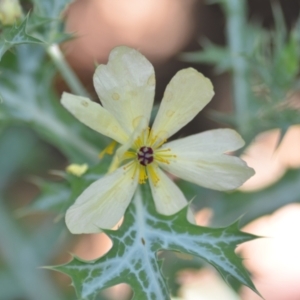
(103, 203)
(215, 171)
(168, 198)
(185, 96)
(94, 116)
(126, 86)
(216, 141)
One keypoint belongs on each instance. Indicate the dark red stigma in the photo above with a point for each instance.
(145, 156)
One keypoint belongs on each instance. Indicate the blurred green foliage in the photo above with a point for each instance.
(273, 62)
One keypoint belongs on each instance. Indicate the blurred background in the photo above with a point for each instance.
(161, 30)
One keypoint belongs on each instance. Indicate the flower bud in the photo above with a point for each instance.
(10, 11)
(77, 170)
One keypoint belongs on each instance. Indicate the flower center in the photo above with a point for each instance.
(145, 156)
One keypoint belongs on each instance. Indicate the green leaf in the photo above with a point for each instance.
(51, 9)
(263, 202)
(16, 144)
(53, 197)
(251, 205)
(28, 98)
(57, 197)
(49, 14)
(274, 64)
(133, 256)
(16, 35)
(211, 54)
(174, 262)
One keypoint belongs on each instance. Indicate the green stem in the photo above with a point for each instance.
(66, 71)
(235, 11)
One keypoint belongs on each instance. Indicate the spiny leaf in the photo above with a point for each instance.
(16, 35)
(133, 256)
(50, 16)
(51, 9)
(26, 87)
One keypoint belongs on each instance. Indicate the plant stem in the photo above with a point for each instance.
(235, 11)
(66, 71)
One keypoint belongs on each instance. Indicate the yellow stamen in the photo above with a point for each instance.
(143, 175)
(160, 142)
(163, 155)
(142, 139)
(137, 143)
(152, 138)
(152, 174)
(136, 167)
(133, 165)
(129, 155)
(108, 150)
(161, 159)
(128, 166)
(157, 140)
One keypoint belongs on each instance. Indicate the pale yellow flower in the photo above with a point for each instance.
(126, 88)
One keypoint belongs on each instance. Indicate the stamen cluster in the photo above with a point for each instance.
(145, 156)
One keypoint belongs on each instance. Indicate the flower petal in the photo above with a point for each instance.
(126, 86)
(94, 116)
(211, 170)
(186, 94)
(211, 141)
(103, 203)
(168, 198)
